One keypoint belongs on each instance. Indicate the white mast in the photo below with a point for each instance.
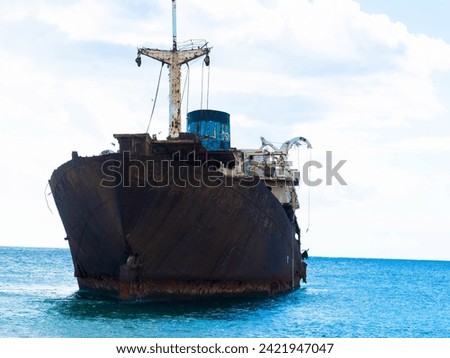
(174, 24)
(174, 58)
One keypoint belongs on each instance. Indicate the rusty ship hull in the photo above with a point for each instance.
(187, 216)
(174, 228)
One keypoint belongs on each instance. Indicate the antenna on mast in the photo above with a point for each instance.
(174, 58)
(174, 24)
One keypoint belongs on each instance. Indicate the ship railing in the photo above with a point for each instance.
(193, 44)
(268, 164)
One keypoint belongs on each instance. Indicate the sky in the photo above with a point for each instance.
(368, 81)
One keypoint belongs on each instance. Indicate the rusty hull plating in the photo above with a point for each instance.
(177, 220)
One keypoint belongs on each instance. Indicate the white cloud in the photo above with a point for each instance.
(354, 83)
(421, 145)
(105, 21)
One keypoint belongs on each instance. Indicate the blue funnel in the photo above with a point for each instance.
(213, 128)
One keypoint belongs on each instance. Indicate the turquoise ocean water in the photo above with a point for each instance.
(366, 298)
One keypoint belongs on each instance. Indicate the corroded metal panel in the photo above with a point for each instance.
(168, 227)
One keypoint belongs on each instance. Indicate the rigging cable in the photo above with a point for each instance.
(206, 62)
(201, 95)
(156, 97)
(207, 89)
(309, 191)
(307, 182)
(46, 195)
(186, 84)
